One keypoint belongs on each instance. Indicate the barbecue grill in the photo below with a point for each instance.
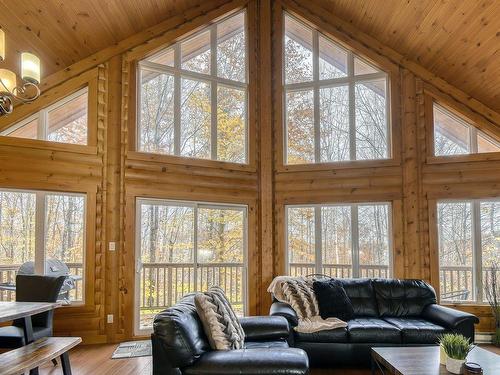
(54, 268)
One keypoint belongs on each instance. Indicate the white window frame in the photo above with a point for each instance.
(318, 238)
(195, 205)
(43, 117)
(212, 79)
(473, 131)
(40, 231)
(477, 250)
(316, 84)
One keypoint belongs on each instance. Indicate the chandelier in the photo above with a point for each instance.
(10, 91)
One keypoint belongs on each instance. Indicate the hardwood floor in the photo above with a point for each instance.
(96, 360)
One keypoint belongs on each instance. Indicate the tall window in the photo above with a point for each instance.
(64, 121)
(193, 96)
(184, 247)
(336, 104)
(455, 136)
(345, 240)
(46, 229)
(469, 244)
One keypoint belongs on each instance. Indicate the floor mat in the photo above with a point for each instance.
(132, 349)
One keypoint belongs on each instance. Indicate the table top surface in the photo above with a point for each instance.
(15, 310)
(425, 360)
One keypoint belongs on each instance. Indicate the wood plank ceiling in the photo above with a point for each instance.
(458, 40)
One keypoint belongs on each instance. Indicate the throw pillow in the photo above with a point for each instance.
(333, 300)
(220, 323)
(299, 293)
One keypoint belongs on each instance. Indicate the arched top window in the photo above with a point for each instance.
(193, 95)
(336, 103)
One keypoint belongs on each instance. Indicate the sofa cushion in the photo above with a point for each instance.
(332, 299)
(222, 327)
(330, 335)
(362, 296)
(401, 298)
(180, 333)
(372, 330)
(416, 330)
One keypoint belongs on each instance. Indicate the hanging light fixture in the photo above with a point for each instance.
(10, 92)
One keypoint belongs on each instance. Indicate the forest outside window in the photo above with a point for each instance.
(41, 227)
(193, 96)
(469, 244)
(455, 136)
(65, 121)
(344, 240)
(188, 246)
(336, 103)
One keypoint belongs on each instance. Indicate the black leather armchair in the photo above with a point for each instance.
(388, 312)
(181, 347)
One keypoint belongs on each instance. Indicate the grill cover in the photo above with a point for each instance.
(54, 268)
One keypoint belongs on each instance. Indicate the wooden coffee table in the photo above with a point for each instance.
(424, 360)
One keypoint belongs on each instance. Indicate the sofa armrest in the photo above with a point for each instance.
(286, 311)
(251, 362)
(259, 328)
(448, 317)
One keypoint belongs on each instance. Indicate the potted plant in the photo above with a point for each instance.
(456, 347)
(493, 297)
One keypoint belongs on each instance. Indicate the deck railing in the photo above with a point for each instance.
(162, 284)
(339, 270)
(456, 283)
(8, 276)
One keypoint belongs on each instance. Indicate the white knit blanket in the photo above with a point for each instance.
(298, 292)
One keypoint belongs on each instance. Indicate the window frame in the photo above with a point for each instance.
(354, 234)
(42, 115)
(195, 205)
(212, 79)
(316, 84)
(41, 227)
(477, 264)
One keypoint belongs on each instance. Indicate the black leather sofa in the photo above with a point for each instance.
(181, 347)
(388, 312)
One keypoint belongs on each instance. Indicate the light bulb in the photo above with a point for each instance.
(30, 67)
(8, 79)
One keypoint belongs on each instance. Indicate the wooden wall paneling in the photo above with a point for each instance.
(112, 189)
(266, 163)
(399, 261)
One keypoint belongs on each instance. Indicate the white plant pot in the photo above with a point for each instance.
(455, 366)
(442, 356)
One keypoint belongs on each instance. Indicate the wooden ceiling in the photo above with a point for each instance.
(458, 40)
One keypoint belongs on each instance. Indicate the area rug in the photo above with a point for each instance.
(132, 349)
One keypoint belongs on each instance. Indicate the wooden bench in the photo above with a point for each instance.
(31, 356)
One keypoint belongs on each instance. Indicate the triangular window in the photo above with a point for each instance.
(455, 136)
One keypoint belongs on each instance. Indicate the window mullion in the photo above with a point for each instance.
(473, 140)
(177, 100)
(318, 239)
(43, 125)
(316, 118)
(213, 95)
(195, 247)
(477, 251)
(40, 233)
(355, 241)
(352, 119)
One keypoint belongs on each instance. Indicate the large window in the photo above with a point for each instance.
(345, 240)
(336, 104)
(47, 229)
(469, 244)
(455, 136)
(64, 121)
(193, 96)
(184, 247)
